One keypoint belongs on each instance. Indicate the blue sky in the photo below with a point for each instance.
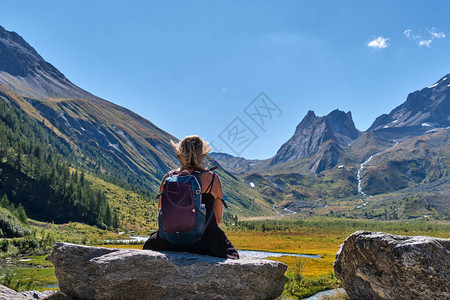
(192, 67)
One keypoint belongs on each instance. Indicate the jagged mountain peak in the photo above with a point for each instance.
(445, 80)
(18, 58)
(342, 123)
(306, 121)
(339, 114)
(423, 109)
(316, 137)
(337, 120)
(24, 71)
(310, 114)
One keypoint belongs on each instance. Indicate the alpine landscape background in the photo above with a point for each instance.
(59, 141)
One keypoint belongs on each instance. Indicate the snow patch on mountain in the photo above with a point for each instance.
(129, 142)
(61, 114)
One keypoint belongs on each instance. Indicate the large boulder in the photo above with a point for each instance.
(101, 273)
(10, 294)
(7, 293)
(377, 265)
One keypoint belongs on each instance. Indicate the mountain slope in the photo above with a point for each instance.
(109, 141)
(76, 115)
(416, 161)
(25, 71)
(34, 173)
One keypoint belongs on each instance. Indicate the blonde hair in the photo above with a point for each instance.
(191, 151)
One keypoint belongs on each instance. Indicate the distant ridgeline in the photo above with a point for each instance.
(67, 155)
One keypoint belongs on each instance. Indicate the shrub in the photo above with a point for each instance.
(10, 226)
(26, 245)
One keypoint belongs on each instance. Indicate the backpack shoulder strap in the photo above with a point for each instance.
(169, 174)
(209, 188)
(172, 172)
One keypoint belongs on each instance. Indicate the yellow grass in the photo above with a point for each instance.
(139, 247)
(323, 244)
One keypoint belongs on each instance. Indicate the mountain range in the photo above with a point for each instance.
(405, 153)
(326, 167)
(102, 138)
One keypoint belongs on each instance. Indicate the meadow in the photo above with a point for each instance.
(319, 236)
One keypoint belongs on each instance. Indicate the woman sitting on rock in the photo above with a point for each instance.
(191, 152)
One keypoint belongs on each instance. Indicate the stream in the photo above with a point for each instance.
(361, 168)
(129, 239)
(319, 295)
(264, 254)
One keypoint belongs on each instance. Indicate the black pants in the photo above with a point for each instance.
(214, 243)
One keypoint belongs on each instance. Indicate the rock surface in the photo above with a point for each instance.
(377, 265)
(7, 293)
(10, 294)
(101, 273)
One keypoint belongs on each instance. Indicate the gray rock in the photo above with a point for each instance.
(10, 294)
(59, 296)
(101, 273)
(377, 265)
(37, 294)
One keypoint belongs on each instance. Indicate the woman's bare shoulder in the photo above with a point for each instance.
(207, 176)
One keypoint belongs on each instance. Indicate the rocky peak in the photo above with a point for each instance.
(307, 120)
(23, 70)
(18, 58)
(424, 109)
(342, 123)
(445, 80)
(313, 136)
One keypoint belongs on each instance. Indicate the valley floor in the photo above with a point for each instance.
(320, 236)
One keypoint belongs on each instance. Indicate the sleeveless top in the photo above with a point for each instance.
(214, 242)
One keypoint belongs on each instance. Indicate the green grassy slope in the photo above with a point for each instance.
(125, 169)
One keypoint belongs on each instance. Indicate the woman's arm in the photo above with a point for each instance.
(218, 194)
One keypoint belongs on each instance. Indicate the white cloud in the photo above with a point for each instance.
(437, 35)
(380, 42)
(426, 43)
(424, 39)
(407, 33)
